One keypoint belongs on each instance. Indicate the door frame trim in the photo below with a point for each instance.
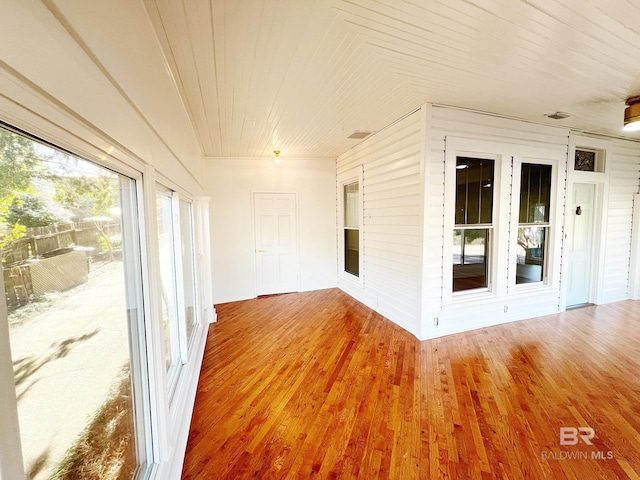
(601, 202)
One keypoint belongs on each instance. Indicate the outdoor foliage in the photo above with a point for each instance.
(19, 166)
(40, 186)
(30, 210)
(86, 196)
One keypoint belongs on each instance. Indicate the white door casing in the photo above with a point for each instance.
(580, 242)
(276, 242)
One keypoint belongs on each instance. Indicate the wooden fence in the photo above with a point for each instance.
(49, 240)
(22, 259)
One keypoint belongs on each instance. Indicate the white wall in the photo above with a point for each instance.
(623, 185)
(508, 136)
(392, 165)
(405, 247)
(230, 183)
(623, 166)
(76, 74)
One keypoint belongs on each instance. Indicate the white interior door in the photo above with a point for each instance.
(581, 244)
(276, 242)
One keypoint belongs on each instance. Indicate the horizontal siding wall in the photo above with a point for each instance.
(624, 170)
(450, 122)
(392, 220)
(404, 220)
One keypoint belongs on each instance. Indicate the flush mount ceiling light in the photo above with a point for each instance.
(632, 115)
(276, 153)
(359, 135)
(557, 115)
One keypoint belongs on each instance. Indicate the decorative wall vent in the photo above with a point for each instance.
(585, 160)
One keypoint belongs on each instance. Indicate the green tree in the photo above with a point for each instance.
(87, 195)
(90, 196)
(20, 164)
(31, 210)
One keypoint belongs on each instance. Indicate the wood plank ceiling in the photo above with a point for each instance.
(302, 75)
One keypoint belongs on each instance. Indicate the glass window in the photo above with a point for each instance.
(352, 228)
(533, 223)
(70, 251)
(170, 317)
(188, 266)
(473, 223)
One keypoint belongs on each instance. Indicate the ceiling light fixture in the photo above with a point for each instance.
(277, 155)
(632, 115)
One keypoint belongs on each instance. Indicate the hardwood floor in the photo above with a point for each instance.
(315, 385)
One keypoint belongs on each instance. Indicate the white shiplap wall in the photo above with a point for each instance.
(623, 185)
(404, 219)
(392, 203)
(460, 316)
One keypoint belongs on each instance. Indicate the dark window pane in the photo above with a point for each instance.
(535, 193)
(470, 251)
(352, 252)
(530, 254)
(474, 191)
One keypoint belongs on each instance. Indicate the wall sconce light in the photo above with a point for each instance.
(277, 155)
(632, 115)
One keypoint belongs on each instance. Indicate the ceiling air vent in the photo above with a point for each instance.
(557, 115)
(359, 135)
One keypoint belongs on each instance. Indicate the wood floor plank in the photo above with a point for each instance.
(316, 385)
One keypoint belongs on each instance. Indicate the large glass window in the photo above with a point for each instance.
(533, 223)
(352, 228)
(178, 276)
(170, 317)
(473, 223)
(70, 250)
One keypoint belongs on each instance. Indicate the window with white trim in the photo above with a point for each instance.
(177, 274)
(351, 196)
(533, 223)
(72, 258)
(169, 297)
(472, 234)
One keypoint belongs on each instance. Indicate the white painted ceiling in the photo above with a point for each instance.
(300, 76)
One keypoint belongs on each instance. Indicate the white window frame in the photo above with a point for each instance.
(194, 274)
(351, 176)
(553, 240)
(142, 354)
(473, 148)
(175, 340)
(507, 174)
(183, 342)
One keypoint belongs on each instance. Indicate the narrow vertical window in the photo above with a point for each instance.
(533, 223)
(473, 223)
(352, 228)
(170, 316)
(188, 267)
